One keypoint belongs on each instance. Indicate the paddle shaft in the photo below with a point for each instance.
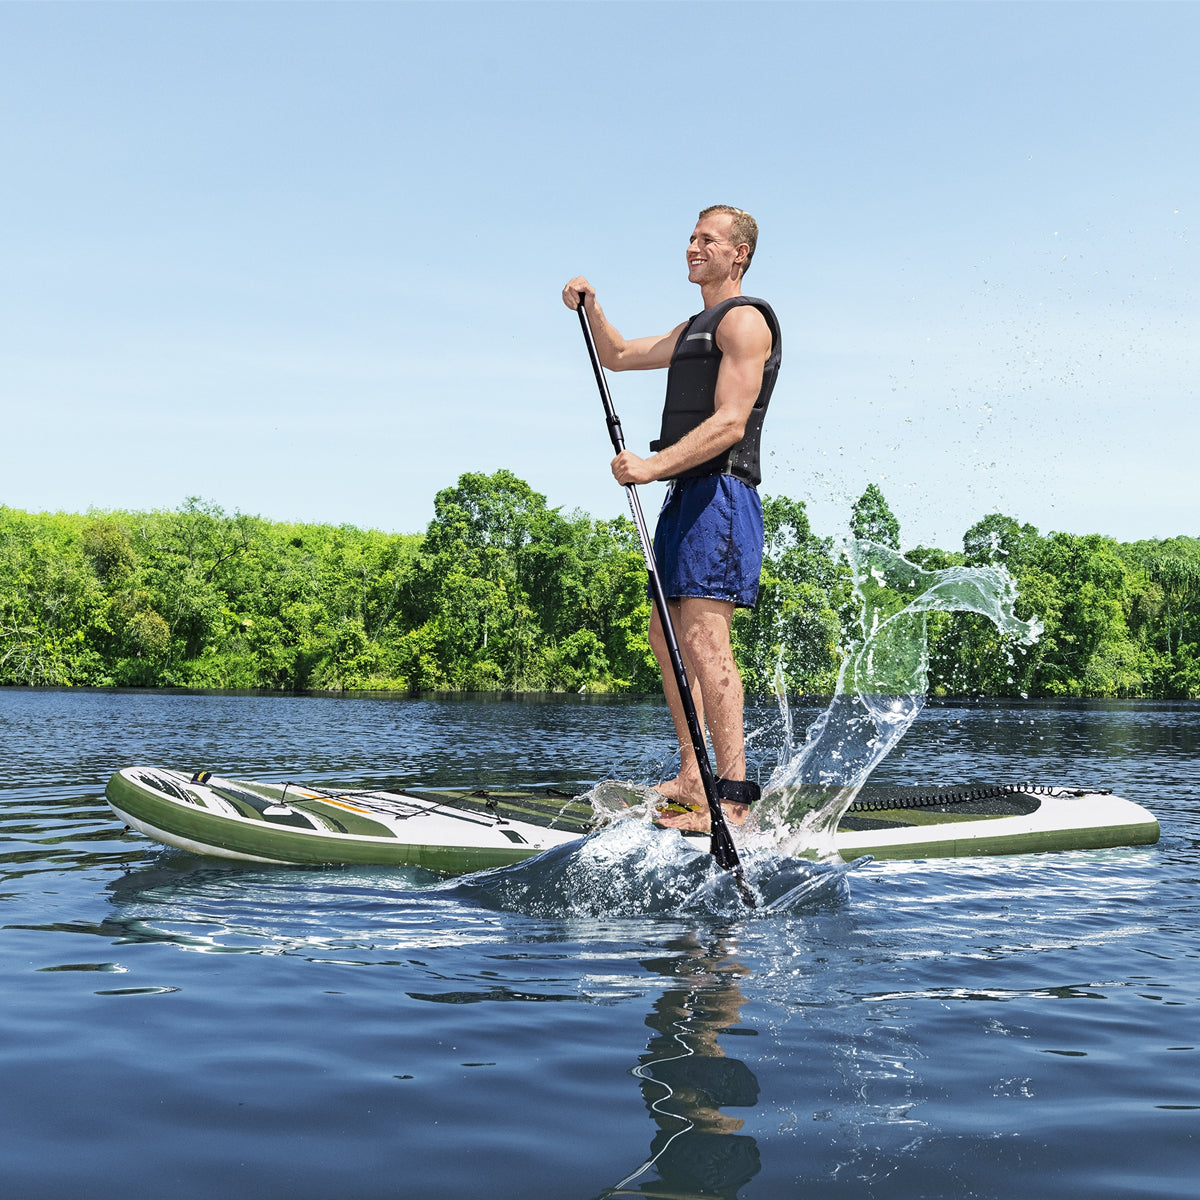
(721, 842)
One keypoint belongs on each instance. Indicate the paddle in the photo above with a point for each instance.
(721, 845)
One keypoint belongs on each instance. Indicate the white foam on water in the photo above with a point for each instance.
(633, 868)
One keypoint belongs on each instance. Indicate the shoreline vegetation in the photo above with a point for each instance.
(503, 594)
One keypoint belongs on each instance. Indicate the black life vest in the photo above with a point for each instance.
(692, 392)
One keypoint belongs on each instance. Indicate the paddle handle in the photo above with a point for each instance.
(721, 840)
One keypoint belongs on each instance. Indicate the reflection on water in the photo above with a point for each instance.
(688, 1081)
(686, 1077)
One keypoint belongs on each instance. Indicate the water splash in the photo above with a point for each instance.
(779, 684)
(631, 868)
(880, 691)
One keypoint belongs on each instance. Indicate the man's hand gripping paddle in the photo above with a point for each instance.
(721, 845)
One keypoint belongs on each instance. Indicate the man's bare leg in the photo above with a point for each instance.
(687, 786)
(703, 628)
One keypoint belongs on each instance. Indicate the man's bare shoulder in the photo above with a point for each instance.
(743, 329)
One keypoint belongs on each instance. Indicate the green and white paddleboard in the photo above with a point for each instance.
(459, 830)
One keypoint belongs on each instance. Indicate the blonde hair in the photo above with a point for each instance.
(743, 230)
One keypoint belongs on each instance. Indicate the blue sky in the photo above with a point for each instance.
(304, 260)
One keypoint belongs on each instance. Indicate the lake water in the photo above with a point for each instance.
(175, 1026)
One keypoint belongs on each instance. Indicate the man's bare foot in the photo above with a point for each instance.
(699, 819)
(683, 789)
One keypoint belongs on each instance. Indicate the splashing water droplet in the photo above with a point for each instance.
(880, 691)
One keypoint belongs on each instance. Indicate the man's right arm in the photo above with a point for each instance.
(616, 352)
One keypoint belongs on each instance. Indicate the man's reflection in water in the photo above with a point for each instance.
(686, 1079)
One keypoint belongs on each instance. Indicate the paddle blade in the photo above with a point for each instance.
(721, 847)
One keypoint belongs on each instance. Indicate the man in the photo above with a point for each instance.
(722, 366)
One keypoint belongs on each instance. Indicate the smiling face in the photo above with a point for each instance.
(712, 255)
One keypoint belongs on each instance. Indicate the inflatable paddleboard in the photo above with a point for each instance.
(455, 831)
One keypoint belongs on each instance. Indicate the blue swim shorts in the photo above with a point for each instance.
(709, 540)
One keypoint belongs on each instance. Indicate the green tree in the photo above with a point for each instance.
(795, 623)
(51, 601)
(1001, 541)
(510, 593)
(616, 605)
(967, 656)
(871, 519)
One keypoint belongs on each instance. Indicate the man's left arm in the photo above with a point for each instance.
(744, 339)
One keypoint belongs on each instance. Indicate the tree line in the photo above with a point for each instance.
(502, 592)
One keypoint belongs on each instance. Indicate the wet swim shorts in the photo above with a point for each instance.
(709, 540)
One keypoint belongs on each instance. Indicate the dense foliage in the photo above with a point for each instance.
(1119, 619)
(504, 593)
